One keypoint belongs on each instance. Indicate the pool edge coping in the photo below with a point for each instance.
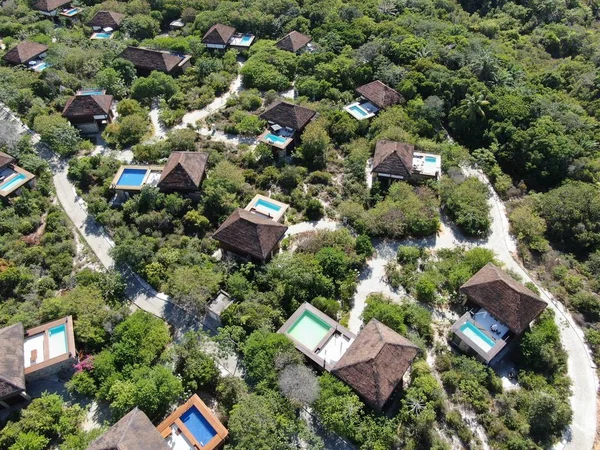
(71, 351)
(487, 356)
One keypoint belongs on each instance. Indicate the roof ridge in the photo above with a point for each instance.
(127, 426)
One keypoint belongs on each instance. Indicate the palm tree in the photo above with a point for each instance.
(387, 7)
(475, 104)
(484, 65)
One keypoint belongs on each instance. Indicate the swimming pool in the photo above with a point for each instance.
(273, 138)
(309, 330)
(41, 66)
(430, 159)
(10, 184)
(70, 12)
(482, 340)
(357, 109)
(267, 204)
(197, 424)
(84, 92)
(102, 35)
(132, 177)
(57, 341)
(246, 39)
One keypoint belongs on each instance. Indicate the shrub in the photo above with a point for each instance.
(467, 205)
(314, 209)
(408, 254)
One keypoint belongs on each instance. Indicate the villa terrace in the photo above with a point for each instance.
(286, 123)
(12, 177)
(193, 426)
(131, 179)
(267, 207)
(221, 36)
(320, 338)
(374, 96)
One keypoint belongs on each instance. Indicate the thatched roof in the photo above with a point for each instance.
(250, 234)
(149, 59)
(381, 95)
(5, 159)
(288, 115)
(50, 5)
(376, 362)
(504, 297)
(293, 41)
(133, 432)
(392, 157)
(218, 34)
(104, 19)
(184, 171)
(12, 360)
(87, 105)
(24, 51)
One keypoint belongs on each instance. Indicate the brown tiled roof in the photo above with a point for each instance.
(105, 19)
(250, 234)
(87, 105)
(5, 159)
(12, 362)
(381, 95)
(375, 363)
(218, 34)
(504, 297)
(184, 170)
(392, 157)
(133, 432)
(293, 41)
(148, 59)
(288, 115)
(24, 51)
(50, 5)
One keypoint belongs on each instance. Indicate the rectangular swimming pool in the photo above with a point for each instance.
(357, 109)
(10, 184)
(57, 341)
(70, 12)
(309, 330)
(197, 424)
(267, 205)
(246, 39)
(273, 138)
(430, 159)
(101, 35)
(482, 340)
(132, 177)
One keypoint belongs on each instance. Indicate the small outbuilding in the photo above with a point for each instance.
(250, 235)
(375, 363)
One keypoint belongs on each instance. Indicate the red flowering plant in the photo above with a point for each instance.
(84, 364)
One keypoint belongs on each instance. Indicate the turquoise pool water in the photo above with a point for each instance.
(275, 139)
(482, 340)
(57, 341)
(41, 66)
(246, 39)
(71, 12)
(309, 330)
(268, 205)
(430, 159)
(197, 424)
(103, 35)
(132, 177)
(357, 109)
(10, 184)
(92, 93)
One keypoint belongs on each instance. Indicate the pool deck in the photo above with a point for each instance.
(282, 146)
(499, 340)
(166, 426)
(43, 332)
(96, 37)
(237, 40)
(424, 168)
(367, 106)
(277, 217)
(151, 178)
(11, 172)
(336, 335)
